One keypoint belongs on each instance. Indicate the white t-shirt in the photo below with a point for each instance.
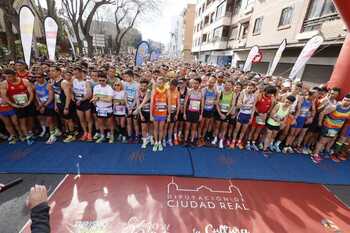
(119, 106)
(79, 89)
(102, 108)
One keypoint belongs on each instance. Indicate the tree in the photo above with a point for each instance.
(11, 19)
(126, 14)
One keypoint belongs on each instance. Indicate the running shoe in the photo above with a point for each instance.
(155, 147)
(69, 138)
(58, 132)
(43, 132)
(89, 137)
(145, 143)
(221, 144)
(176, 142)
(108, 135)
(170, 143)
(343, 157)
(100, 139)
(97, 136)
(214, 141)
(3, 136)
(12, 140)
(111, 139)
(277, 148)
(52, 139)
(151, 140)
(201, 142)
(75, 132)
(335, 158)
(22, 138)
(124, 140)
(233, 144)
(248, 147)
(316, 158)
(261, 146)
(254, 147)
(306, 151)
(271, 148)
(240, 145)
(84, 137)
(119, 138)
(29, 140)
(160, 147)
(163, 143)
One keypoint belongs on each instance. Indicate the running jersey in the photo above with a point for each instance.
(160, 107)
(225, 101)
(209, 99)
(336, 119)
(142, 96)
(18, 93)
(119, 104)
(103, 108)
(42, 92)
(79, 89)
(182, 99)
(247, 103)
(305, 108)
(264, 104)
(174, 98)
(280, 114)
(131, 90)
(23, 74)
(4, 106)
(194, 101)
(60, 97)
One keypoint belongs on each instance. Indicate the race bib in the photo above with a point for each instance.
(20, 99)
(332, 132)
(260, 120)
(173, 108)
(182, 102)
(119, 109)
(44, 99)
(57, 99)
(209, 104)
(146, 107)
(224, 107)
(102, 112)
(194, 105)
(161, 107)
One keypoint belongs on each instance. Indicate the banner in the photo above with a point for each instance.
(70, 38)
(252, 54)
(308, 51)
(277, 58)
(142, 53)
(51, 28)
(26, 27)
(155, 54)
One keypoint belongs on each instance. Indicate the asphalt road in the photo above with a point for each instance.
(13, 213)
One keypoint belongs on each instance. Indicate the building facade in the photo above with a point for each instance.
(225, 31)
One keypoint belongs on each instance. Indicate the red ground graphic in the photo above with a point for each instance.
(155, 204)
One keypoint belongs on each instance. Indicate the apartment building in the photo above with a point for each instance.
(226, 30)
(182, 33)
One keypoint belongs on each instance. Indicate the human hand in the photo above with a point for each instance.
(37, 195)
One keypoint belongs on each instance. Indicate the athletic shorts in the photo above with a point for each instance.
(181, 117)
(272, 127)
(69, 115)
(8, 113)
(84, 106)
(299, 124)
(28, 111)
(329, 133)
(192, 117)
(93, 108)
(172, 117)
(257, 125)
(47, 112)
(208, 113)
(159, 118)
(146, 116)
(129, 114)
(243, 118)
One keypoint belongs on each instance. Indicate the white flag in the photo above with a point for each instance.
(308, 51)
(252, 54)
(26, 26)
(51, 28)
(277, 58)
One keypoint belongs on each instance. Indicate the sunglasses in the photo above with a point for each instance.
(102, 80)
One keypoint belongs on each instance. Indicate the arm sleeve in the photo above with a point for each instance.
(40, 218)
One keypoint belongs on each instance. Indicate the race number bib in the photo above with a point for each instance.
(20, 99)
(57, 99)
(161, 107)
(119, 109)
(209, 104)
(332, 133)
(195, 105)
(260, 120)
(102, 112)
(44, 99)
(224, 107)
(173, 108)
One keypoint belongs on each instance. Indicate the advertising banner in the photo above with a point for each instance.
(277, 58)
(51, 29)
(252, 54)
(142, 53)
(26, 27)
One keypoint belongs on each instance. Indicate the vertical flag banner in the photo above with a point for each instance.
(26, 27)
(252, 54)
(70, 38)
(155, 54)
(277, 58)
(308, 51)
(51, 29)
(142, 52)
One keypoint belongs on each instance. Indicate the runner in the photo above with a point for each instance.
(143, 107)
(174, 102)
(82, 94)
(19, 94)
(103, 100)
(119, 110)
(180, 124)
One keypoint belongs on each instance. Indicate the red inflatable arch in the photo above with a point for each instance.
(341, 73)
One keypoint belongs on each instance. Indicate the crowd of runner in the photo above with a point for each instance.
(167, 103)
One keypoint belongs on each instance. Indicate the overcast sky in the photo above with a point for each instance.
(159, 29)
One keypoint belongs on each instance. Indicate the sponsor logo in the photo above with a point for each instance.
(204, 197)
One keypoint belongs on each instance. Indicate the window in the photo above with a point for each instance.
(246, 3)
(220, 10)
(257, 26)
(199, 11)
(286, 17)
(212, 16)
(204, 37)
(320, 8)
(244, 30)
(234, 33)
(206, 20)
(217, 33)
(237, 7)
